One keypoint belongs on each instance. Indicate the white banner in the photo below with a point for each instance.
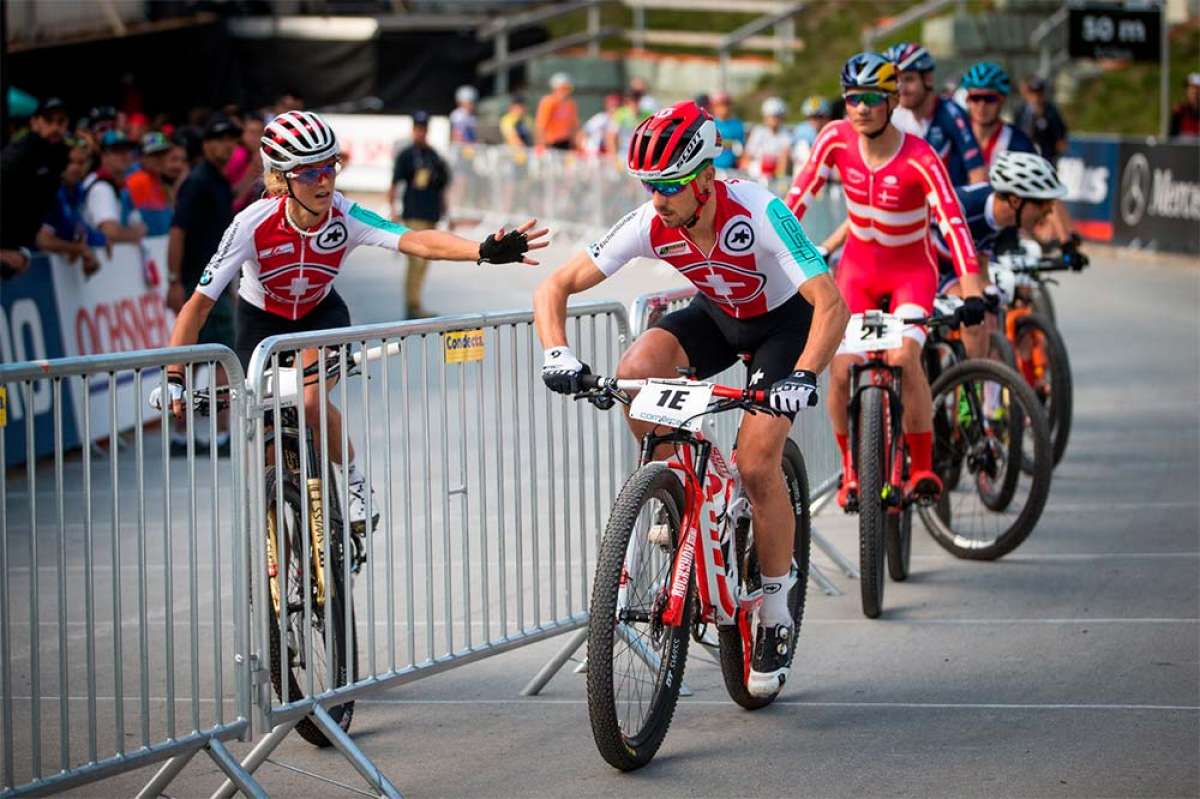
(114, 310)
(370, 143)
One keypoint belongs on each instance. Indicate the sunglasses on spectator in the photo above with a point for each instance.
(983, 97)
(669, 188)
(311, 175)
(869, 99)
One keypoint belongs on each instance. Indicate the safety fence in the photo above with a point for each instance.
(580, 189)
(255, 608)
(124, 625)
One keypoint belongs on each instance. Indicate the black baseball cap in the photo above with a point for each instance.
(421, 118)
(220, 126)
(51, 105)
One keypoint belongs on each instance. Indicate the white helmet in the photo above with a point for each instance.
(1027, 176)
(466, 94)
(774, 107)
(296, 138)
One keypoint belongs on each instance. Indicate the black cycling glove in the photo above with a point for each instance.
(972, 311)
(508, 250)
(1072, 257)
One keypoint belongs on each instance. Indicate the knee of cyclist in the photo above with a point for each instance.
(757, 474)
(636, 366)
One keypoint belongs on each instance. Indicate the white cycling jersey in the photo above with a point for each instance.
(285, 271)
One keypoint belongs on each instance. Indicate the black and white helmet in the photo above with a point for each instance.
(296, 138)
(1027, 176)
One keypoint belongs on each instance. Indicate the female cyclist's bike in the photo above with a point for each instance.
(678, 554)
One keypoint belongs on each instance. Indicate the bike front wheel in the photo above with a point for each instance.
(635, 661)
(311, 650)
(1043, 362)
(872, 481)
(737, 640)
(983, 411)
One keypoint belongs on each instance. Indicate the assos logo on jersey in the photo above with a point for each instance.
(333, 237)
(737, 236)
(725, 282)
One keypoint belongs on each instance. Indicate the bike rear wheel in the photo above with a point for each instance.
(321, 649)
(737, 641)
(987, 438)
(872, 479)
(635, 662)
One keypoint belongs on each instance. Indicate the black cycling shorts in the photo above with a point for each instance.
(255, 324)
(713, 340)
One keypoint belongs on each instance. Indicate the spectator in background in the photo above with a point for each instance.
(175, 170)
(288, 101)
(100, 120)
(1185, 117)
(515, 127)
(594, 138)
(703, 102)
(733, 132)
(203, 210)
(106, 203)
(425, 177)
(30, 170)
(1040, 120)
(622, 122)
(136, 126)
(64, 232)
(463, 125)
(191, 138)
(148, 188)
(244, 170)
(767, 149)
(557, 116)
(817, 114)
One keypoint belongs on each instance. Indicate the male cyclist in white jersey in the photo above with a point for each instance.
(764, 290)
(289, 248)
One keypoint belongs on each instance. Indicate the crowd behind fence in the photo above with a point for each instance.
(492, 495)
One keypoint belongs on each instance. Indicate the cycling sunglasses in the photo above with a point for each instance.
(669, 188)
(984, 97)
(311, 175)
(870, 99)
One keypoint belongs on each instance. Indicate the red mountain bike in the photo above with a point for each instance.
(678, 554)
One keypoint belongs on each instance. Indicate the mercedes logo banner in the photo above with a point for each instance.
(1135, 192)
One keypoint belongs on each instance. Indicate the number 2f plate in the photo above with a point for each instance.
(672, 403)
(867, 332)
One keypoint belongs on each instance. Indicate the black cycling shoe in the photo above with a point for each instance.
(772, 659)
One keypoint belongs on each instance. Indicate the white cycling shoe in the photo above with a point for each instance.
(358, 507)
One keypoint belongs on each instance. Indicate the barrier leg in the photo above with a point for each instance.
(547, 672)
(239, 776)
(369, 771)
(258, 755)
(824, 583)
(169, 771)
(840, 560)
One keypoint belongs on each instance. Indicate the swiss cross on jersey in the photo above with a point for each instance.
(728, 275)
(295, 271)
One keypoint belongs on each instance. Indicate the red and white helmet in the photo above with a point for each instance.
(296, 138)
(673, 143)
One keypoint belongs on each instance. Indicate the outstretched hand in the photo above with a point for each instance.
(535, 239)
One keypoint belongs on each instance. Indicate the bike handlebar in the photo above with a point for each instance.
(592, 382)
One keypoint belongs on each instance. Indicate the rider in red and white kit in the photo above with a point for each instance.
(892, 181)
(290, 246)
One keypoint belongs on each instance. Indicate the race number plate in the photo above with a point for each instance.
(873, 330)
(672, 403)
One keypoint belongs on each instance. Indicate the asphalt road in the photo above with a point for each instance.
(1071, 668)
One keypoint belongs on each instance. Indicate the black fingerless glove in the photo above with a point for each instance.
(508, 250)
(971, 312)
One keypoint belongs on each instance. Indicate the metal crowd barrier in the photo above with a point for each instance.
(124, 621)
(491, 491)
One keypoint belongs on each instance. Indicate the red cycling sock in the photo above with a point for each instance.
(843, 442)
(920, 450)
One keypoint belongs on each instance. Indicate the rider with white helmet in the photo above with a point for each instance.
(766, 152)
(291, 245)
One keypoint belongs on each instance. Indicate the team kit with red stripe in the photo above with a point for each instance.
(888, 252)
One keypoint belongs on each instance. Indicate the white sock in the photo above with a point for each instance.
(774, 610)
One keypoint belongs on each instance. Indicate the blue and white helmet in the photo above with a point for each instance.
(908, 56)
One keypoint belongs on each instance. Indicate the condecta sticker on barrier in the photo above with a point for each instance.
(463, 346)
